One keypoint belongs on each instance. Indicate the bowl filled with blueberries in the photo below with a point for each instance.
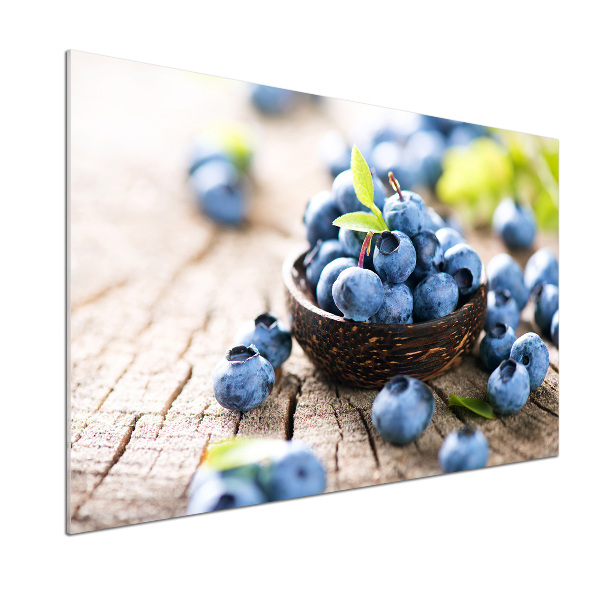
(385, 288)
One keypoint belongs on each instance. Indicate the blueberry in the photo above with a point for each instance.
(397, 305)
(334, 152)
(387, 156)
(219, 493)
(504, 272)
(352, 242)
(430, 258)
(515, 222)
(395, 257)
(464, 450)
(293, 473)
(202, 152)
(402, 409)
(508, 387)
(358, 293)
(440, 124)
(496, 345)
(243, 379)
(501, 308)
(464, 134)
(319, 215)
(328, 277)
(545, 297)
(270, 336)
(407, 214)
(542, 267)
(448, 237)
(272, 100)
(427, 149)
(345, 196)
(435, 297)
(220, 192)
(554, 329)
(532, 353)
(433, 221)
(464, 264)
(322, 254)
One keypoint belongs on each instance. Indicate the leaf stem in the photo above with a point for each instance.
(366, 247)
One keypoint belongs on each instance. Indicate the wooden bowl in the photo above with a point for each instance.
(368, 355)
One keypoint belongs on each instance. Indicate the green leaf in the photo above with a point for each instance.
(360, 221)
(479, 407)
(239, 452)
(362, 178)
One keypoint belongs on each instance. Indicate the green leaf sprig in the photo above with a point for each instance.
(479, 407)
(363, 186)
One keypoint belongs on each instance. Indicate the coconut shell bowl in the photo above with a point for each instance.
(367, 355)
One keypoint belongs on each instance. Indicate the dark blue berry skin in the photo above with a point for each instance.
(328, 277)
(319, 215)
(335, 153)
(542, 267)
(402, 409)
(515, 223)
(220, 192)
(345, 196)
(501, 308)
(407, 215)
(435, 297)
(464, 264)
(508, 387)
(219, 493)
(352, 242)
(427, 150)
(505, 273)
(294, 473)
(358, 293)
(554, 329)
(242, 379)
(532, 353)
(433, 221)
(322, 254)
(496, 345)
(430, 258)
(395, 257)
(448, 237)
(397, 305)
(440, 124)
(464, 450)
(545, 297)
(272, 100)
(202, 152)
(270, 336)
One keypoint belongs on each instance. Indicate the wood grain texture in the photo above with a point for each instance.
(158, 293)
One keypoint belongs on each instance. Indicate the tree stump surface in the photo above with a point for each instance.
(157, 293)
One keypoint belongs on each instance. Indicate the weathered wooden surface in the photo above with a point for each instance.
(157, 293)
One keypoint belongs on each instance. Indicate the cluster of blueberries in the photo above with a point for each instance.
(221, 189)
(518, 366)
(418, 270)
(411, 146)
(291, 471)
(404, 408)
(244, 378)
(274, 101)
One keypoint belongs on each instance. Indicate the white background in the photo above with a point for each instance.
(528, 530)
